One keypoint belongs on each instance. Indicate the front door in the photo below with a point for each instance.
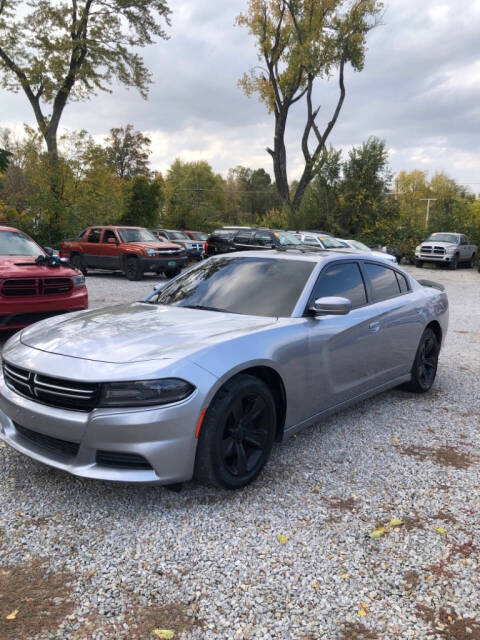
(110, 250)
(342, 354)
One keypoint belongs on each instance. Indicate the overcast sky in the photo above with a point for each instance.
(420, 91)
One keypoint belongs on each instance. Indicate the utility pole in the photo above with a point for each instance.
(428, 200)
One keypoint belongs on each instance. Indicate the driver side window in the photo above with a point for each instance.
(344, 280)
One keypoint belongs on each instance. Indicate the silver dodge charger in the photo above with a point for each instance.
(201, 378)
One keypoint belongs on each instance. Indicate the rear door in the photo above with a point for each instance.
(343, 350)
(91, 248)
(262, 240)
(243, 240)
(396, 320)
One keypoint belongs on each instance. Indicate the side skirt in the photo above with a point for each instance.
(290, 431)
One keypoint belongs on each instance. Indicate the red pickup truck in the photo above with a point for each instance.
(33, 285)
(133, 250)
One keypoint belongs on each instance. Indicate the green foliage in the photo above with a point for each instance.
(128, 152)
(143, 197)
(4, 159)
(194, 196)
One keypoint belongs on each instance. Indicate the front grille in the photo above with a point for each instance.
(56, 392)
(28, 287)
(48, 443)
(122, 460)
(430, 249)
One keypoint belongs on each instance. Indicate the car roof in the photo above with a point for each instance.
(306, 254)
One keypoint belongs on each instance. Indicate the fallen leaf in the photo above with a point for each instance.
(378, 533)
(12, 616)
(165, 634)
(440, 530)
(281, 539)
(395, 440)
(362, 612)
(345, 576)
(395, 522)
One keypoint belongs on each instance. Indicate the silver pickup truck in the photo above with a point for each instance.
(446, 248)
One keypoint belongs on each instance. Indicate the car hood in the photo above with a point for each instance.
(438, 243)
(25, 267)
(138, 332)
(158, 246)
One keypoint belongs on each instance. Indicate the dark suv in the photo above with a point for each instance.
(230, 239)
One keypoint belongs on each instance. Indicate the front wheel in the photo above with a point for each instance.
(133, 269)
(424, 369)
(171, 273)
(78, 262)
(453, 265)
(237, 434)
(471, 262)
(419, 264)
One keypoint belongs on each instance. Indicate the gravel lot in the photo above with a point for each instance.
(87, 560)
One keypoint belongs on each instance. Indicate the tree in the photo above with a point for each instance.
(128, 152)
(142, 202)
(56, 51)
(4, 159)
(194, 195)
(300, 41)
(255, 190)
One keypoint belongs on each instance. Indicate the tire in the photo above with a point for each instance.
(133, 270)
(78, 262)
(471, 262)
(171, 273)
(419, 264)
(231, 454)
(424, 369)
(453, 265)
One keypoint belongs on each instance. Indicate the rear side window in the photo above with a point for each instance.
(244, 237)
(402, 283)
(262, 238)
(94, 235)
(224, 234)
(384, 282)
(344, 280)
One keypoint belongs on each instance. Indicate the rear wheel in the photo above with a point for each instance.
(424, 368)
(78, 262)
(237, 434)
(133, 269)
(471, 262)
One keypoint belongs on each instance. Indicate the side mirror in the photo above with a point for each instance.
(49, 251)
(112, 241)
(331, 306)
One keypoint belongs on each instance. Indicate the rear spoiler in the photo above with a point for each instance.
(433, 285)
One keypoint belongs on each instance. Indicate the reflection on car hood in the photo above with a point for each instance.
(138, 332)
(25, 267)
(438, 243)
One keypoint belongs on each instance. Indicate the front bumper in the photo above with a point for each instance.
(76, 442)
(20, 312)
(162, 264)
(431, 257)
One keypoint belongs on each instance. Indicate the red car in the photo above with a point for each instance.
(34, 285)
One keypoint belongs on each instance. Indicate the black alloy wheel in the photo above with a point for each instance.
(237, 434)
(453, 265)
(424, 368)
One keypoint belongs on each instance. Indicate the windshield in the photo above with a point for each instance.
(443, 237)
(331, 243)
(359, 245)
(251, 286)
(15, 243)
(177, 235)
(199, 235)
(136, 235)
(284, 238)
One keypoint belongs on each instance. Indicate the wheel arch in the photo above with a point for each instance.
(434, 325)
(270, 376)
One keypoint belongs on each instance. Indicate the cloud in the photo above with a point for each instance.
(420, 91)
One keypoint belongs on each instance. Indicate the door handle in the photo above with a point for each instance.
(374, 326)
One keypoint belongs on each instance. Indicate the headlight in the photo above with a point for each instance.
(417, 249)
(144, 392)
(150, 252)
(78, 281)
(451, 249)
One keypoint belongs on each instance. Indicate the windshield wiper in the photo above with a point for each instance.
(204, 307)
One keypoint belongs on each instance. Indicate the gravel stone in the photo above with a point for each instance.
(207, 564)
